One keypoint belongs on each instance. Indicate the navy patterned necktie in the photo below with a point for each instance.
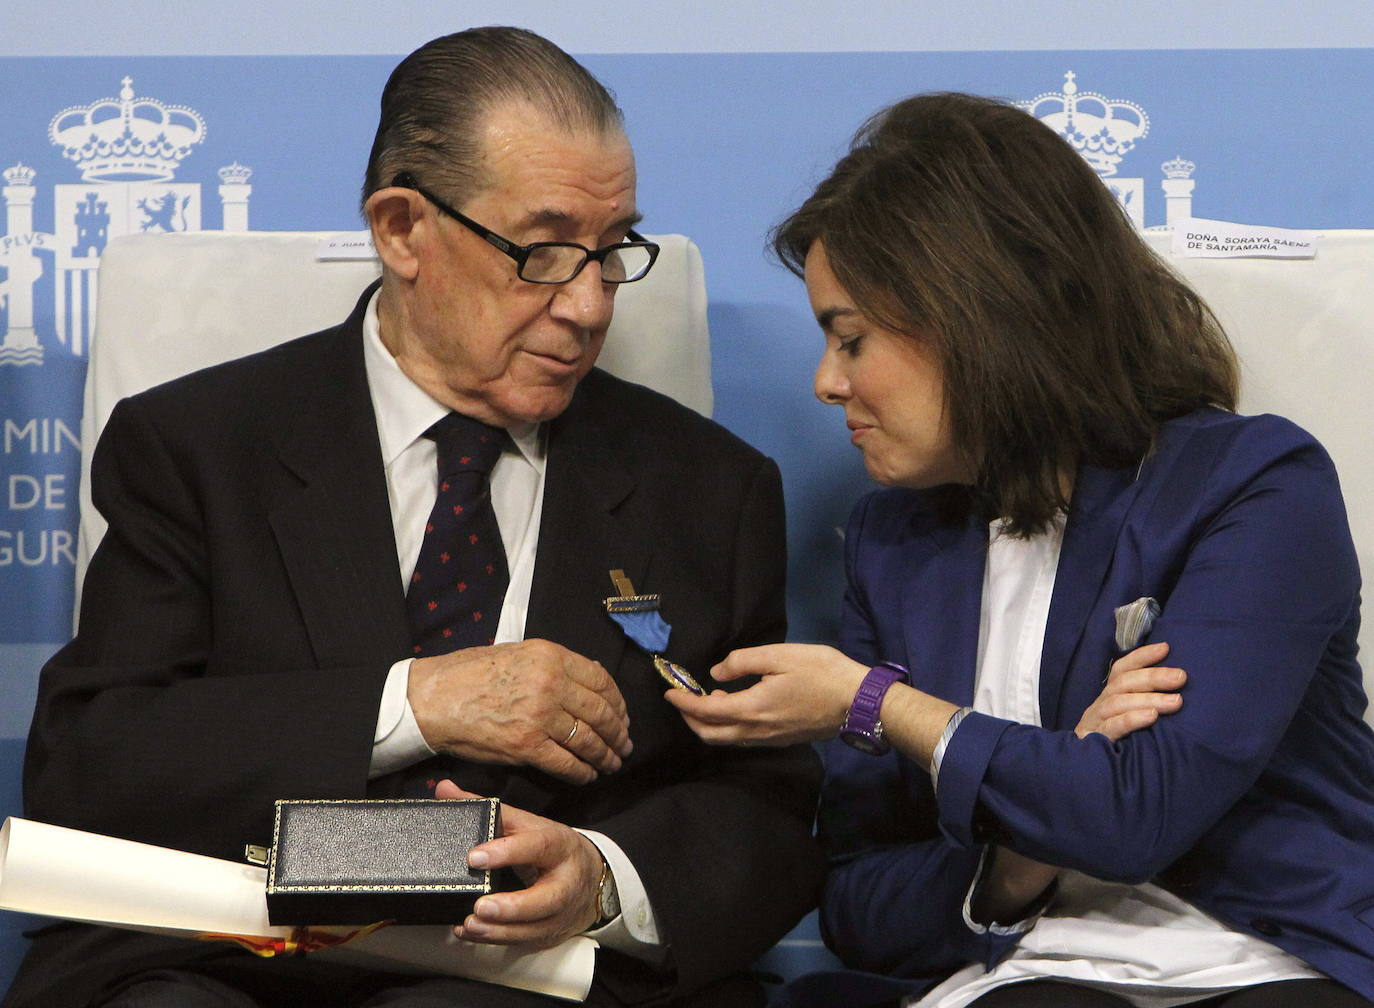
(455, 595)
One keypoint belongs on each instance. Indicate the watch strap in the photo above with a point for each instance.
(607, 897)
(862, 727)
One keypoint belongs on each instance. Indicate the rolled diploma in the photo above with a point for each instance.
(58, 872)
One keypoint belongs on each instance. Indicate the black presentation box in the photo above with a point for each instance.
(359, 862)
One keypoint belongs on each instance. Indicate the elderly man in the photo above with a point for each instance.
(311, 587)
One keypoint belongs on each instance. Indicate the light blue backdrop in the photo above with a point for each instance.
(728, 140)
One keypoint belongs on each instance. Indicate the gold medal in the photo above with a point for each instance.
(677, 676)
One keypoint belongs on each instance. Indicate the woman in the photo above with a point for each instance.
(1068, 492)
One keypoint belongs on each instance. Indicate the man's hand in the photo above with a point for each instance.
(560, 868)
(533, 703)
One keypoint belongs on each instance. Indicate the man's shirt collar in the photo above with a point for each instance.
(405, 411)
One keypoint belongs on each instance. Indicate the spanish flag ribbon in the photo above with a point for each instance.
(300, 941)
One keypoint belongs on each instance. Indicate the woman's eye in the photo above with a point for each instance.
(851, 345)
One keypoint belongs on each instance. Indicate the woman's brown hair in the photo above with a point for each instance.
(966, 222)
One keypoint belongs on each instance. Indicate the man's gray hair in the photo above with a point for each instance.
(436, 101)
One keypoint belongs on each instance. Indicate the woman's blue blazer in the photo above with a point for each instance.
(1255, 802)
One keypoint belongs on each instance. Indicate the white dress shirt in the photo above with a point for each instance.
(1140, 942)
(404, 412)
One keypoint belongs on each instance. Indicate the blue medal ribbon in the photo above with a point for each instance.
(639, 617)
(645, 627)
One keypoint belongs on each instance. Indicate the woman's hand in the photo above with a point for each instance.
(1138, 691)
(803, 693)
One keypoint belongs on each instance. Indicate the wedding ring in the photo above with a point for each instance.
(572, 731)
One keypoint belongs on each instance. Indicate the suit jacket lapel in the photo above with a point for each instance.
(333, 526)
(582, 536)
(1101, 500)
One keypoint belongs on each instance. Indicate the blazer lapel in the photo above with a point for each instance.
(942, 639)
(334, 526)
(1101, 500)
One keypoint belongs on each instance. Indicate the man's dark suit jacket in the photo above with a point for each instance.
(241, 614)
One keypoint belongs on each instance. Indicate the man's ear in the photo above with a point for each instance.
(392, 216)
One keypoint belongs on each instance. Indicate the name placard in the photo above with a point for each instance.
(346, 246)
(1199, 238)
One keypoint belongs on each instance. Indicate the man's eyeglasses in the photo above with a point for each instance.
(554, 262)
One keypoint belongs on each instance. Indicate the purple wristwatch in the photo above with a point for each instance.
(861, 727)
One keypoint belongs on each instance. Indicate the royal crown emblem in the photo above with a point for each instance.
(19, 175)
(1101, 129)
(1178, 168)
(235, 174)
(127, 139)
(128, 152)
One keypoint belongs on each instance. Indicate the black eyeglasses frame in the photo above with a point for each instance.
(522, 253)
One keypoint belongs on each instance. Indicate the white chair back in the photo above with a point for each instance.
(1306, 343)
(170, 304)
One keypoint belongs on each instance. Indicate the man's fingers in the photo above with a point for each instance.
(562, 867)
(574, 751)
(541, 934)
(556, 761)
(533, 916)
(591, 676)
(585, 730)
(532, 703)
(522, 842)
(598, 719)
(524, 906)
(448, 789)
(590, 748)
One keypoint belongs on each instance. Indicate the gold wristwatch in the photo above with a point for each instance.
(607, 898)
